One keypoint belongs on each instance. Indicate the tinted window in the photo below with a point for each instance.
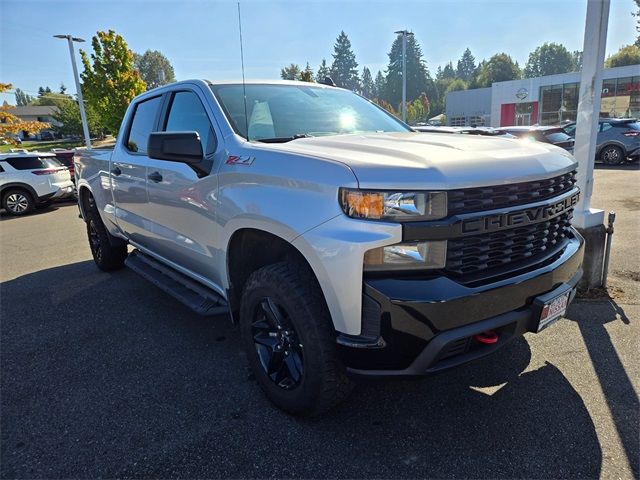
(556, 137)
(628, 125)
(187, 114)
(605, 126)
(285, 111)
(30, 163)
(144, 121)
(1, 169)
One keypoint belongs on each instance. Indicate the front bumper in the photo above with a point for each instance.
(414, 326)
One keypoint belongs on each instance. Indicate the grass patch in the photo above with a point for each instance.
(43, 146)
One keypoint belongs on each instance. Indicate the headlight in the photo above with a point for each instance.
(407, 256)
(394, 206)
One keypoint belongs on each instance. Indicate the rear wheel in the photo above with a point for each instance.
(612, 155)
(287, 334)
(108, 253)
(18, 202)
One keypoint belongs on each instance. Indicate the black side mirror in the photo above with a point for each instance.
(182, 147)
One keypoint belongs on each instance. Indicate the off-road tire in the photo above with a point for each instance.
(612, 155)
(323, 383)
(108, 253)
(18, 201)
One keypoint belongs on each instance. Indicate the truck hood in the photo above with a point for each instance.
(412, 160)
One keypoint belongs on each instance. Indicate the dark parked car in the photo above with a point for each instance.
(618, 139)
(554, 135)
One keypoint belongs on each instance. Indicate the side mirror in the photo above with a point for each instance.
(182, 147)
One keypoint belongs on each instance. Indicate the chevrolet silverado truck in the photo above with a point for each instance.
(342, 243)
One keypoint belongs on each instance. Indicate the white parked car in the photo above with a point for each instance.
(30, 180)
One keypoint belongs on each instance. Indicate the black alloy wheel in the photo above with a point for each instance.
(277, 344)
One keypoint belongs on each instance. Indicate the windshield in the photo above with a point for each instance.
(286, 112)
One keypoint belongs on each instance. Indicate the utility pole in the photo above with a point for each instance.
(83, 115)
(404, 34)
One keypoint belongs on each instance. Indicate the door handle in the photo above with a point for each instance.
(115, 171)
(155, 177)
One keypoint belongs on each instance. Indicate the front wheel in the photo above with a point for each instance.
(287, 334)
(612, 155)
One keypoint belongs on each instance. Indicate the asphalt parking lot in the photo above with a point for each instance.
(102, 375)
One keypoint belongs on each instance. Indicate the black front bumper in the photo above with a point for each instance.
(417, 326)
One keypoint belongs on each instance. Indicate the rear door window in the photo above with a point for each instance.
(143, 123)
(29, 163)
(556, 137)
(605, 126)
(187, 114)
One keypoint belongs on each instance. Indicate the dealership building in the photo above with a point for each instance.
(547, 100)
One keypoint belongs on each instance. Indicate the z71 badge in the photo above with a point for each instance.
(246, 160)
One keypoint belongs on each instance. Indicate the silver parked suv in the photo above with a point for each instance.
(618, 139)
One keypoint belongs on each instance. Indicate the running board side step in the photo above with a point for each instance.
(197, 297)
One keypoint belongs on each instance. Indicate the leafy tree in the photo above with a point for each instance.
(637, 15)
(307, 74)
(42, 91)
(154, 68)
(68, 115)
(292, 72)
(379, 84)
(22, 98)
(386, 105)
(344, 69)
(323, 71)
(11, 125)
(457, 84)
(549, 59)
(418, 79)
(627, 55)
(466, 66)
(52, 99)
(368, 87)
(498, 68)
(577, 59)
(109, 79)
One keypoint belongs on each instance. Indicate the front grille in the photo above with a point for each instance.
(482, 253)
(469, 200)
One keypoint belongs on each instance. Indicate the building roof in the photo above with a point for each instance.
(34, 110)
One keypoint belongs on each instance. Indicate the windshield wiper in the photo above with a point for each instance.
(283, 139)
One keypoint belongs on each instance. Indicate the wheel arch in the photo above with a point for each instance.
(610, 143)
(250, 249)
(18, 185)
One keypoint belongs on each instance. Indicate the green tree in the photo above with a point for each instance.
(344, 69)
(23, 99)
(11, 125)
(448, 71)
(379, 84)
(577, 59)
(63, 88)
(368, 87)
(323, 71)
(466, 66)
(418, 79)
(498, 68)
(68, 115)
(637, 15)
(52, 99)
(292, 72)
(154, 68)
(457, 84)
(109, 79)
(307, 74)
(627, 55)
(549, 59)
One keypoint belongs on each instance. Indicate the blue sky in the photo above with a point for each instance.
(201, 37)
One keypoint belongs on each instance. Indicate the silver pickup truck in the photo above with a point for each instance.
(341, 242)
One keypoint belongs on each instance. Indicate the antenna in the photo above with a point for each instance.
(244, 87)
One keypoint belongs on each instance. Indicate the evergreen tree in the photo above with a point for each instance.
(292, 72)
(466, 66)
(418, 79)
(63, 89)
(379, 84)
(448, 71)
(344, 69)
(23, 99)
(323, 71)
(368, 87)
(307, 74)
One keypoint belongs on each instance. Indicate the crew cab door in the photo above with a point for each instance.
(128, 170)
(181, 209)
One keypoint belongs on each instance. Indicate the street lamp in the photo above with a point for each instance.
(83, 115)
(404, 34)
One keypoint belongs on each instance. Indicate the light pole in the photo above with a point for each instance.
(83, 115)
(404, 34)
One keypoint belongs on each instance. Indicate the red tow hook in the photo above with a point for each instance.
(488, 338)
